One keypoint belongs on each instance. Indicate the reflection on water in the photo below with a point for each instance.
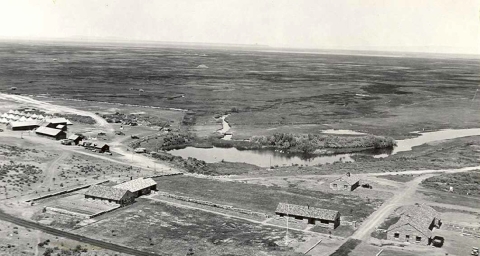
(262, 158)
(269, 157)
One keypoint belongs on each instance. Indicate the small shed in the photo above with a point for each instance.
(102, 148)
(347, 182)
(75, 138)
(311, 215)
(139, 186)
(51, 133)
(110, 194)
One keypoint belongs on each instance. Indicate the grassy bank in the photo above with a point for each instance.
(462, 183)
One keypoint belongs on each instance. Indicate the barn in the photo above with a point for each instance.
(51, 133)
(347, 182)
(110, 194)
(139, 186)
(311, 215)
(416, 224)
(23, 126)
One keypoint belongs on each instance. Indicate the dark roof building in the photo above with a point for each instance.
(139, 186)
(75, 138)
(102, 148)
(111, 194)
(346, 182)
(51, 133)
(55, 122)
(23, 126)
(416, 224)
(311, 215)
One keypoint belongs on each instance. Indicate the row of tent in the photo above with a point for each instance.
(26, 115)
(5, 120)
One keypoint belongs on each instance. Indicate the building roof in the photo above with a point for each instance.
(59, 120)
(60, 126)
(419, 216)
(419, 209)
(349, 178)
(48, 131)
(100, 146)
(137, 184)
(106, 192)
(417, 224)
(73, 137)
(306, 211)
(24, 123)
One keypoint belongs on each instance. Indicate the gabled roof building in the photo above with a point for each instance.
(139, 186)
(51, 133)
(311, 215)
(416, 224)
(111, 194)
(347, 182)
(23, 126)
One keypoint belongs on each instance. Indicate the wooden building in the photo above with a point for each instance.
(23, 126)
(57, 122)
(139, 186)
(347, 182)
(75, 138)
(311, 215)
(102, 148)
(416, 224)
(51, 133)
(110, 194)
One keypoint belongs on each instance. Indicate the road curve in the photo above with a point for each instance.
(79, 238)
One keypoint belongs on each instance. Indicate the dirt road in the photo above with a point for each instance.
(401, 197)
(51, 170)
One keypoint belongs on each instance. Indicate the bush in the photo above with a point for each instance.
(346, 247)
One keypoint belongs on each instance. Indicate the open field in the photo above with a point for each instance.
(22, 241)
(462, 183)
(367, 93)
(262, 198)
(171, 230)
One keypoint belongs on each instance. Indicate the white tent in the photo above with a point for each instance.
(41, 117)
(22, 119)
(68, 122)
(29, 119)
(22, 113)
(16, 112)
(15, 117)
(10, 111)
(3, 121)
(28, 115)
(4, 115)
(34, 116)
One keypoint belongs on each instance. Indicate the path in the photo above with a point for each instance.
(51, 170)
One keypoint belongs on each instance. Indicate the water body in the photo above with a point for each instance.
(269, 157)
(262, 158)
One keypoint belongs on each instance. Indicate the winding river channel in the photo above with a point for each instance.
(270, 157)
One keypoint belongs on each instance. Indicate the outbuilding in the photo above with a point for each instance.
(310, 215)
(23, 126)
(75, 138)
(51, 133)
(139, 186)
(102, 148)
(347, 182)
(110, 194)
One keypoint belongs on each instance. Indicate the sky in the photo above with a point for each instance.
(444, 26)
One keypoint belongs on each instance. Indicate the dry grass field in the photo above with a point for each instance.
(170, 230)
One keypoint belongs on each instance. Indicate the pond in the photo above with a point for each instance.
(261, 157)
(270, 157)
